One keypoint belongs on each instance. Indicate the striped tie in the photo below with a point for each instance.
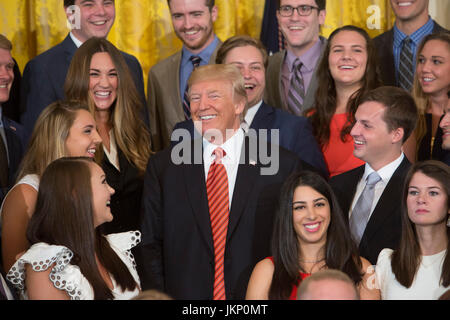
(296, 90)
(406, 69)
(217, 192)
(186, 104)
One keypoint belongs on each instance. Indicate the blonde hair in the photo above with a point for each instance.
(48, 139)
(130, 133)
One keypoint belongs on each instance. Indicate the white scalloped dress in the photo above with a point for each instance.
(68, 277)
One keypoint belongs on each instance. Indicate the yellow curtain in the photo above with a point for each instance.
(143, 27)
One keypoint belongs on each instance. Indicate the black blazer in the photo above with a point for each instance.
(177, 254)
(295, 134)
(126, 201)
(15, 141)
(384, 227)
(384, 43)
(44, 77)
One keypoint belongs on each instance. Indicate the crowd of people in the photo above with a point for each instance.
(319, 172)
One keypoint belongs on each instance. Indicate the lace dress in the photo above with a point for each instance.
(68, 277)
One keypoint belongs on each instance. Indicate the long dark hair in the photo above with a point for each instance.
(340, 250)
(64, 216)
(326, 96)
(407, 258)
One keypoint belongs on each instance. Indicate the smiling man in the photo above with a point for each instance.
(44, 76)
(206, 223)
(370, 194)
(168, 102)
(397, 47)
(291, 80)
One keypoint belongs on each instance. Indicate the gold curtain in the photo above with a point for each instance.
(143, 27)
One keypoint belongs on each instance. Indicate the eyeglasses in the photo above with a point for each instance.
(303, 10)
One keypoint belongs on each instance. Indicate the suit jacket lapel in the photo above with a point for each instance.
(263, 118)
(246, 176)
(69, 48)
(194, 180)
(348, 196)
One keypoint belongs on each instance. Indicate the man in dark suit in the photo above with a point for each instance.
(44, 76)
(370, 195)
(299, 22)
(294, 132)
(412, 24)
(185, 251)
(11, 133)
(193, 24)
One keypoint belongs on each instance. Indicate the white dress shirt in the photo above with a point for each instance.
(251, 112)
(385, 174)
(232, 148)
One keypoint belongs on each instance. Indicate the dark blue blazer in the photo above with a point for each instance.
(44, 77)
(295, 134)
(15, 140)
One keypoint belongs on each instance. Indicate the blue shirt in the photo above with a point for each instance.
(416, 38)
(187, 67)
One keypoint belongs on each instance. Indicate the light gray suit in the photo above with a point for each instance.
(274, 94)
(164, 99)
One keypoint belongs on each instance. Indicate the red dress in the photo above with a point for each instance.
(339, 155)
(293, 295)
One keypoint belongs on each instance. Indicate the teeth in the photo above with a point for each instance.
(207, 117)
(191, 32)
(108, 203)
(102, 94)
(249, 86)
(404, 4)
(99, 23)
(347, 67)
(296, 28)
(359, 142)
(428, 79)
(3, 86)
(312, 226)
(91, 151)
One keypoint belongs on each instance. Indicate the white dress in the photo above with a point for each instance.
(30, 179)
(426, 284)
(68, 277)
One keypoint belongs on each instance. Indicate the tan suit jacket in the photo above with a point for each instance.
(164, 99)
(274, 93)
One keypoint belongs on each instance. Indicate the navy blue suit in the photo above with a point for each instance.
(295, 134)
(44, 77)
(15, 142)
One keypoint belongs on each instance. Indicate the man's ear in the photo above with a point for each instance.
(397, 135)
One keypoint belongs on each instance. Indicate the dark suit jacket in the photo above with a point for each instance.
(384, 227)
(44, 77)
(177, 254)
(384, 43)
(295, 134)
(15, 141)
(11, 108)
(126, 200)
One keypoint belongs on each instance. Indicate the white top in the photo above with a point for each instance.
(112, 153)
(385, 174)
(31, 180)
(68, 277)
(426, 284)
(232, 148)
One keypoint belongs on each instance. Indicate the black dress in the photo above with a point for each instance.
(432, 151)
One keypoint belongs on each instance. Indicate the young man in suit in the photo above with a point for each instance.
(168, 103)
(189, 249)
(11, 133)
(44, 76)
(291, 80)
(445, 126)
(370, 195)
(295, 132)
(397, 47)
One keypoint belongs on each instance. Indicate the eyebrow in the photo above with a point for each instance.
(315, 200)
(353, 46)
(432, 187)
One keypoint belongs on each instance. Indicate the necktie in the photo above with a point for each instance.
(361, 211)
(3, 165)
(406, 69)
(217, 192)
(296, 93)
(186, 104)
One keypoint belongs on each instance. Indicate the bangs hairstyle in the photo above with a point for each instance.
(326, 95)
(48, 139)
(130, 133)
(238, 42)
(406, 260)
(341, 252)
(400, 110)
(420, 97)
(64, 216)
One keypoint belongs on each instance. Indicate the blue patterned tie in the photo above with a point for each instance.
(406, 67)
(361, 211)
(186, 103)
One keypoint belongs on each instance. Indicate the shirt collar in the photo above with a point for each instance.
(232, 148)
(385, 172)
(77, 42)
(205, 54)
(309, 58)
(251, 112)
(416, 36)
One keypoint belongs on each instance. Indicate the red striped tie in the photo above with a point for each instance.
(217, 191)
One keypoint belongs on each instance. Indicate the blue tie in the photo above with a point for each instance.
(361, 211)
